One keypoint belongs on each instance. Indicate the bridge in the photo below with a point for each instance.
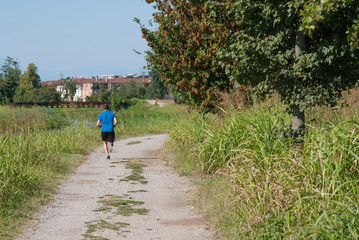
(61, 104)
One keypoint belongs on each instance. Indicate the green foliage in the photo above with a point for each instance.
(261, 52)
(184, 48)
(129, 91)
(120, 96)
(70, 88)
(47, 94)
(10, 80)
(276, 190)
(142, 119)
(102, 96)
(2, 95)
(203, 47)
(121, 103)
(30, 89)
(353, 36)
(26, 87)
(156, 90)
(30, 78)
(42, 94)
(315, 12)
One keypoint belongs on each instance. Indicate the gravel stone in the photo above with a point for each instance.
(98, 181)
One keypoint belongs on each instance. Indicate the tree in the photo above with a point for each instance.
(29, 80)
(157, 89)
(304, 50)
(32, 75)
(184, 48)
(11, 76)
(46, 94)
(129, 91)
(122, 92)
(2, 94)
(103, 96)
(70, 88)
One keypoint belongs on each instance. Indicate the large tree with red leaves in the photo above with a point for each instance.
(184, 50)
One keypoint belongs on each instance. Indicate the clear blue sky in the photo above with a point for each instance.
(74, 37)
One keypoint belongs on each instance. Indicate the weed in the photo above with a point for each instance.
(123, 206)
(103, 209)
(137, 170)
(134, 143)
(94, 226)
(136, 191)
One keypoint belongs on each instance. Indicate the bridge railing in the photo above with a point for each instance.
(61, 104)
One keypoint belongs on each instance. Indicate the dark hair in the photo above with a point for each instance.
(106, 106)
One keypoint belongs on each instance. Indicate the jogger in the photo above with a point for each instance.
(107, 121)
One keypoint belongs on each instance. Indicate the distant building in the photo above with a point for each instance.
(91, 86)
(110, 76)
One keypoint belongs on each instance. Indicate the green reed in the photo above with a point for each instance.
(277, 188)
(16, 120)
(142, 119)
(31, 163)
(40, 146)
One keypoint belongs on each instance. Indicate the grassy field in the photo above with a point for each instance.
(41, 146)
(255, 183)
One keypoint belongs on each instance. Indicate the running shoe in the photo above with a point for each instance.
(108, 157)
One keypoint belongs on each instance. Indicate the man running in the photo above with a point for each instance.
(107, 122)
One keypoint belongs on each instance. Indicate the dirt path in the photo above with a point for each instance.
(160, 103)
(135, 195)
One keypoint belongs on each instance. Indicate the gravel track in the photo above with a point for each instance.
(108, 199)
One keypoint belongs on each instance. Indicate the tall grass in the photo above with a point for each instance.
(276, 189)
(144, 119)
(34, 155)
(15, 120)
(40, 146)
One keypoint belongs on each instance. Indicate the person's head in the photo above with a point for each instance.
(106, 106)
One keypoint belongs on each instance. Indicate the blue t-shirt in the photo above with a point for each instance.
(106, 118)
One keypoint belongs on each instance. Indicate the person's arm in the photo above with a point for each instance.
(115, 122)
(98, 124)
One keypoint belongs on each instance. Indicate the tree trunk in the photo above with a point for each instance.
(298, 119)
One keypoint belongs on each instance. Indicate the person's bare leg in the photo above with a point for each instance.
(105, 147)
(111, 146)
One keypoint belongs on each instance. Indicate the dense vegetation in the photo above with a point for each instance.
(26, 87)
(261, 182)
(305, 50)
(259, 185)
(39, 146)
(124, 93)
(23, 87)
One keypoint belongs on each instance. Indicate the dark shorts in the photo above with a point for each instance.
(108, 136)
